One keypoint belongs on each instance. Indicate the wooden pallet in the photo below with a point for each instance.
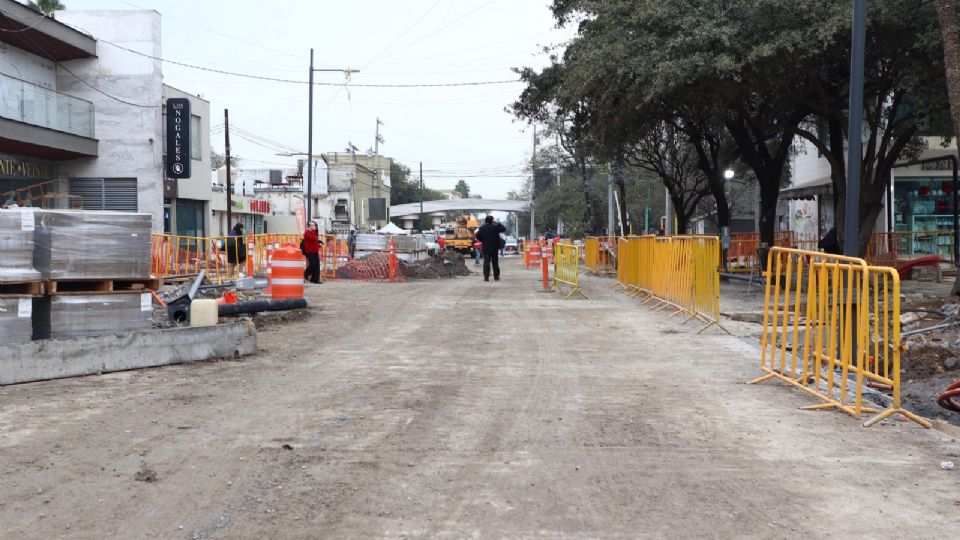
(21, 288)
(100, 286)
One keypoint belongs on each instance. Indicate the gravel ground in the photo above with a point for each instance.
(459, 408)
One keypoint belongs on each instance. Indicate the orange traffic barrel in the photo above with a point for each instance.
(286, 279)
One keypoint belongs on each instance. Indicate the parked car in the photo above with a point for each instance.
(433, 248)
(510, 248)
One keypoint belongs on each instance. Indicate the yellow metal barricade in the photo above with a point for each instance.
(628, 263)
(591, 251)
(566, 268)
(830, 323)
(600, 254)
(679, 273)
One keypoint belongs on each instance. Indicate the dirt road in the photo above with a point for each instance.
(456, 409)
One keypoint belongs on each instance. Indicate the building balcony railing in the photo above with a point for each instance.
(32, 104)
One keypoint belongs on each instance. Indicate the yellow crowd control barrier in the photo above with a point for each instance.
(566, 268)
(830, 325)
(628, 267)
(679, 273)
(600, 254)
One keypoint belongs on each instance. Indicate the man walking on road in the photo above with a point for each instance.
(489, 236)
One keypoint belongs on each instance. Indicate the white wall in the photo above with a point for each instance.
(808, 167)
(28, 67)
(130, 136)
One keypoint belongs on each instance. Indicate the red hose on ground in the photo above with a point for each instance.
(948, 399)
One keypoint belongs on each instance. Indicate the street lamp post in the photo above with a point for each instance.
(346, 72)
(851, 224)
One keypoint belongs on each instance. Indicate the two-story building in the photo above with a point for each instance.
(359, 190)
(82, 118)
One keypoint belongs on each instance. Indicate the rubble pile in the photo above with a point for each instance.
(446, 265)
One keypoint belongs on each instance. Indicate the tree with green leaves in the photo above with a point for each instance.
(218, 160)
(47, 7)
(463, 189)
(765, 71)
(904, 98)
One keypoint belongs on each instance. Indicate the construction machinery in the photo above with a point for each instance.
(459, 237)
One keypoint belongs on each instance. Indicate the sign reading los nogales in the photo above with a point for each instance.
(178, 138)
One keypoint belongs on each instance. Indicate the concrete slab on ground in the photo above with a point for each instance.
(59, 358)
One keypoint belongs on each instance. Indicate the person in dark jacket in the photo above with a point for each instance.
(311, 250)
(489, 235)
(236, 248)
(830, 243)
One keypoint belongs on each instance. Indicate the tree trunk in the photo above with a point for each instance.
(588, 218)
(622, 207)
(720, 197)
(950, 36)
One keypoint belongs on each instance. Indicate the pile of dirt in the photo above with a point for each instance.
(268, 319)
(928, 361)
(447, 265)
(931, 360)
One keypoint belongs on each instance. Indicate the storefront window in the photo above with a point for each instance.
(923, 204)
(923, 213)
(190, 218)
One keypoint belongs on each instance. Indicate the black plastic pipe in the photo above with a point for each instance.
(254, 306)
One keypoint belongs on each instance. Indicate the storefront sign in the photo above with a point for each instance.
(19, 168)
(178, 138)
(944, 165)
(260, 207)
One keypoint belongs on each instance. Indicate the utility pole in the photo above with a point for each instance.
(347, 72)
(851, 224)
(376, 155)
(611, 173)
(353, 187)
(421, 196)
(533, 185)
(226, 137)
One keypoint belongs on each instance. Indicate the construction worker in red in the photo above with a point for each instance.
(311, 250)
(477, 251)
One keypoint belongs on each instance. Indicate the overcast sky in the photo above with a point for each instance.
(456, 131)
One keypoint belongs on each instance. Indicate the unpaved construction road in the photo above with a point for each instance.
(460, 408)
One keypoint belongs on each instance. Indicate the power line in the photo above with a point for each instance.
(215, 32)
(429, 34)
(402, 35)
(27, 27)
(68, 70)
(294, 81)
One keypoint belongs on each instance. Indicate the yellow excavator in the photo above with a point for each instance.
(460, 237)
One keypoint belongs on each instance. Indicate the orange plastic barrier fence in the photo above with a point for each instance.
(889, 249)
(224, 258)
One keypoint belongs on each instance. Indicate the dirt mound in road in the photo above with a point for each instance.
(929, 361)
(447, 265)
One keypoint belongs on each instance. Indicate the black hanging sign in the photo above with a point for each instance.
(178, 138)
